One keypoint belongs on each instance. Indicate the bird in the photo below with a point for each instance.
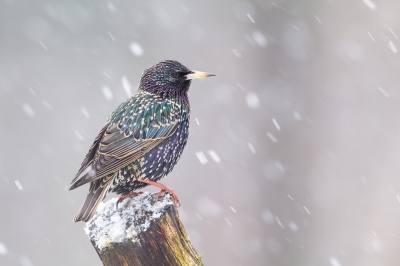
(142, 139)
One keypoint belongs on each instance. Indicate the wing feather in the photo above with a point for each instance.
(91, 153)
(113, 159)
(126, 139)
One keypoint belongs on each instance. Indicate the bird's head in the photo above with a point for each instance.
(169, 78)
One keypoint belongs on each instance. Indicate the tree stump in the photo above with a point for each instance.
(142, 232)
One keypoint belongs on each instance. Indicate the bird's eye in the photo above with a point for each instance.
(179, 74)
(182, 73)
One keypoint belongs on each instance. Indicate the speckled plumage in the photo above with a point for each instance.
(167, 120)
(142, 139)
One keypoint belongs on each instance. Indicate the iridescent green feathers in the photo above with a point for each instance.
(136, 126)
(143, 115)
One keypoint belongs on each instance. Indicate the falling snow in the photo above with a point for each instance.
(293, 226)
(78, 135)
(18, 184)
(392, 47)
(127, 86)
(236, 52)
(251, 19)
(276, 124)
(252, 100)
(214, 156)
(297, 116)
(3, 249)
(208, 207)
(111, 36)
(334, 262)
(259, 38)
(48, 106)
(202, 158)
(392, 32)
(280, 166)
(278, 221)
(272, 137)
(227, 221)
(111, 7)
(371, 5)
(384, 92)
(267, 216)
(251, 147)
(85, 112)
(136, 49)
(240, 86)
(31, 91)
(107, 93)
(25, 261)
(370, 35)
(44, 46)
(28, 110)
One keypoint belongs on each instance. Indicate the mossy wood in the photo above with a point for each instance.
(165, 242)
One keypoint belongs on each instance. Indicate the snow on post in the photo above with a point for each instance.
(144, 231)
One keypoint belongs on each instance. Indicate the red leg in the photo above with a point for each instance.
(159, 193)
(129, 195)
(164, 189)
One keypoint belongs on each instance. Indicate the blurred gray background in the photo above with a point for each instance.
(293, 159)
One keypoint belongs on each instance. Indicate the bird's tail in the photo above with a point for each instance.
(97, 191)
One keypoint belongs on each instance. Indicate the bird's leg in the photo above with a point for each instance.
(129, 195)
(164, 189)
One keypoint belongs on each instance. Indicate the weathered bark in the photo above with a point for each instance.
(165, 242)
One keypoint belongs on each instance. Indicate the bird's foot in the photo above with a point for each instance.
(170, 191)
(129, 195)
(164, 189)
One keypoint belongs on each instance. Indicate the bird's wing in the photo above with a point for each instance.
(128, 140)
(92, 152)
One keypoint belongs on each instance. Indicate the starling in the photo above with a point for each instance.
(142, 139)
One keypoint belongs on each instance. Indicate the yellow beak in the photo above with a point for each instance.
(199, 75)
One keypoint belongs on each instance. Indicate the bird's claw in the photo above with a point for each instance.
(129, 195)
(171, 192)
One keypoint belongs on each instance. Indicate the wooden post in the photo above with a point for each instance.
(143, 232)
